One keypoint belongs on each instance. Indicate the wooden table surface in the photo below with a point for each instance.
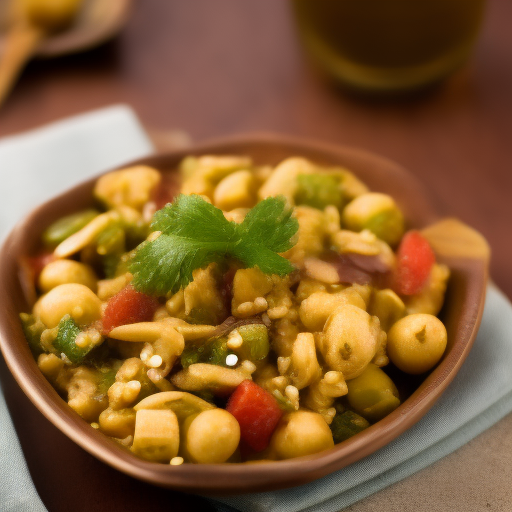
(224, 67)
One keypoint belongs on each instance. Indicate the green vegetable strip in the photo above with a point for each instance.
(67, 226)
(32, 330)
(65, 342)
(255, 346)
(212, 352)
(346, 425)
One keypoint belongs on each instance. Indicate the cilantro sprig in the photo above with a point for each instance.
(195, 233)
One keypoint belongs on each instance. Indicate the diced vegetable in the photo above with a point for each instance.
(376, 212)
(157, 435)
(372, 394)
(212, 352)
(128, 307)
(65, 341)
(257, 412)
(32, 329)
(255, 346)
(107, 375)
(111, 240)
(202, 316)
(37, 263)
(346, 425)
(318, 191)
(415, 259)
(65, 227)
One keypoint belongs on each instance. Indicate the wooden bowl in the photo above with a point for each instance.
(464, 250)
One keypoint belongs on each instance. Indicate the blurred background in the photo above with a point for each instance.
(216, 68)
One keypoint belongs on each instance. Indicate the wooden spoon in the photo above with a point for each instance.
(21, 38)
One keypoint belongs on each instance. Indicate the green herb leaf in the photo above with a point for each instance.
(195, 233)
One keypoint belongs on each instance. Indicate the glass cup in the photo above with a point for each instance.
(389, 45)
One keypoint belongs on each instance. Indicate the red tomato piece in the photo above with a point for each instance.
(128, 307)
(37, 263)
(415, 259)
(257, 412)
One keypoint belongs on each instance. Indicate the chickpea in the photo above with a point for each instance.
(350, 340)
(283, 181)
(315, 310)
(301, 433)
(131, 186)
(373, 394)
(235, 191)
(72, 299)
(416, 343)
(377, 213)
(387, 306)
(67, 271)
(212, 436)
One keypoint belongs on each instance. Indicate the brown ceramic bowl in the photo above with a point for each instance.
(464, 250)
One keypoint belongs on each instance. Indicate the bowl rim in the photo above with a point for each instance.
(233, 478)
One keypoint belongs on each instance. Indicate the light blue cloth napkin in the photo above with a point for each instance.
(33, 167)
(38, 164)
(42, 163)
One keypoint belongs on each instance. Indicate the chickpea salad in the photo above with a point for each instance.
(252, 312)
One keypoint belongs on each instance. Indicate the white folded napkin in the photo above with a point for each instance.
(37, 165)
